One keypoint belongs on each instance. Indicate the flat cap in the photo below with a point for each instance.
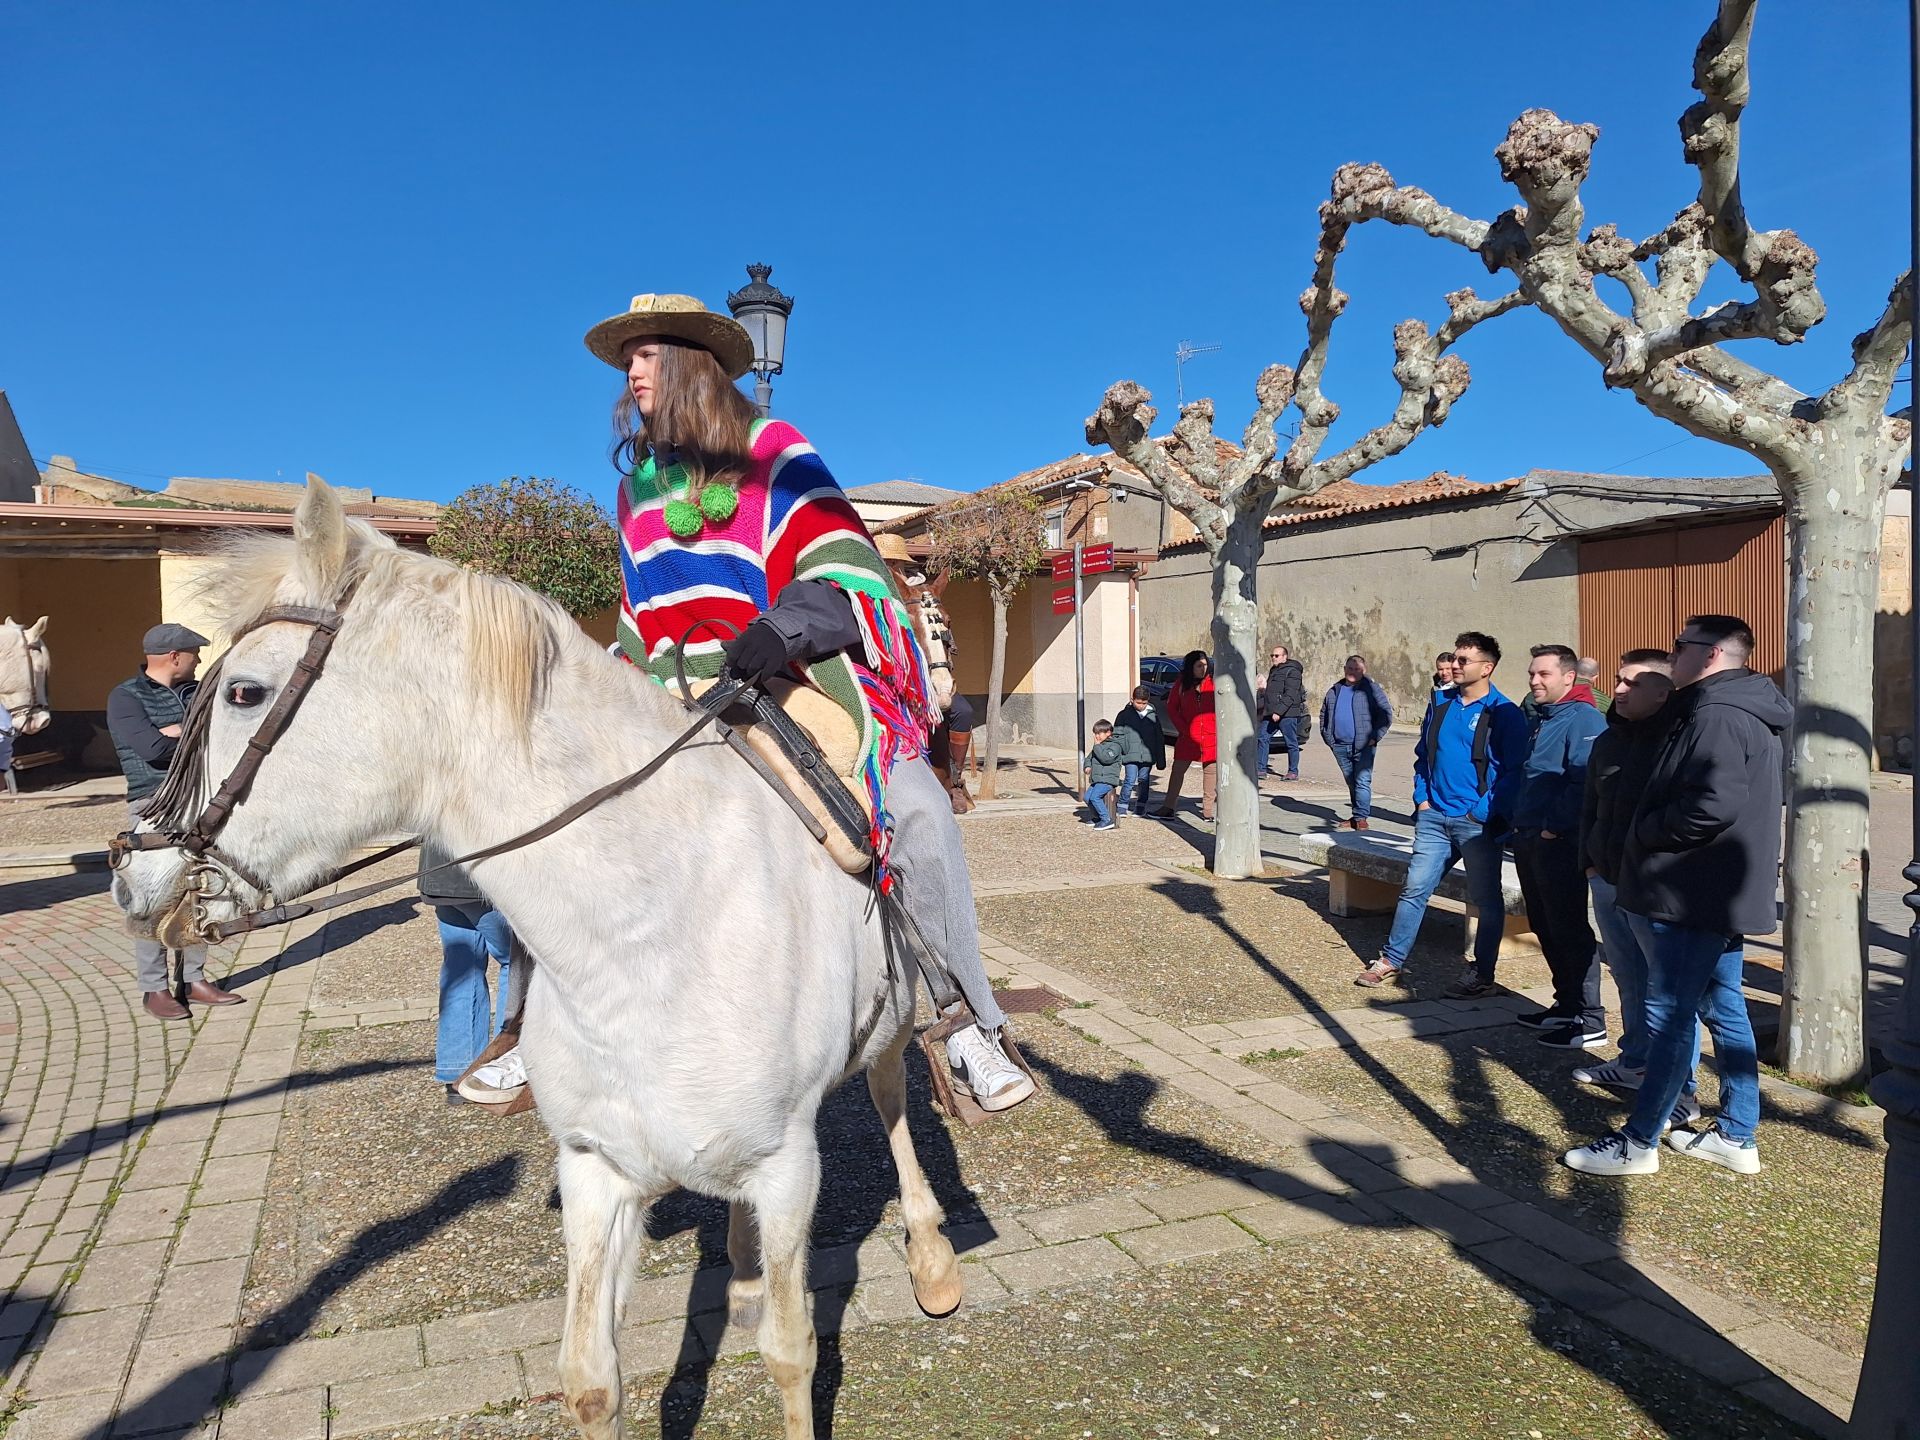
(168, 637)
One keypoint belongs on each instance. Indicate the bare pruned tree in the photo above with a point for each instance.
(1228, 499)
(1833, 454)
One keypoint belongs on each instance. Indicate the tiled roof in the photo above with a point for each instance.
(1346, 497)
(903, 492)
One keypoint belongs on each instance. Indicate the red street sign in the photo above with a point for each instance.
(1063, 566)
(1063, 600)
(1096, 558)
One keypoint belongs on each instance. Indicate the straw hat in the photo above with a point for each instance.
(679, 317)
(892, 547)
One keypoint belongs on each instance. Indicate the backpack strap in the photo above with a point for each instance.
(1436, 716)
(1482, 745)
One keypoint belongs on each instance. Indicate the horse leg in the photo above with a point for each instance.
(783, 1191)
(937, 1285)
(748, 1286)
(600, 1213)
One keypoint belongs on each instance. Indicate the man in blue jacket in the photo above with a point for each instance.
(1546, 850)
(1466, 772)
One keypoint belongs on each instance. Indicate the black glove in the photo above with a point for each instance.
(757, 653)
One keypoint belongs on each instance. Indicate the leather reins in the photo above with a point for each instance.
(207, 874)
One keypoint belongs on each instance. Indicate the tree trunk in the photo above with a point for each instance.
(996, 677)
(1834, 513)
(1236, 616)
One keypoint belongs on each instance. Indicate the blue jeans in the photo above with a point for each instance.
(1287, 732)
(468, 935)
(1356, 768)
(1137, 789)
(1438, 840)
(1100, 797)
(1689, 973)
(1629, 966)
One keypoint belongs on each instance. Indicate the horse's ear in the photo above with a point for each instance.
(36, 630)
(320, 535)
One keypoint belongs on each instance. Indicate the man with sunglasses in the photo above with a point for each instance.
(1466, 772)
(1700, 873)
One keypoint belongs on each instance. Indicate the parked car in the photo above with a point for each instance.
(1158, 673)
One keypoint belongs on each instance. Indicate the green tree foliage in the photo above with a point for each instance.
(545, 535)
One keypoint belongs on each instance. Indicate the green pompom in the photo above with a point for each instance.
(683, 518)
(718, 502)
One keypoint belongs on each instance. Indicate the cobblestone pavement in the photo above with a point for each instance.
(137, 1159)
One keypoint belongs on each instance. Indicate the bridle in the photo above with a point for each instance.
(210, 868)
(934, 618)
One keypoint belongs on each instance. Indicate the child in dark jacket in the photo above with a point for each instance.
(1105, 769)
(1139, 725)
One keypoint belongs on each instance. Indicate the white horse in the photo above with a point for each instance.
(706, 973)
(25, 665)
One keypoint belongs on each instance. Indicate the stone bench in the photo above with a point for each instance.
(1366, 873)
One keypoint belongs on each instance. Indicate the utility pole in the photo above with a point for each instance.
(1079, 671)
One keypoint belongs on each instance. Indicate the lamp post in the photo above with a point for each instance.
(762, 310)
(1887, 1406)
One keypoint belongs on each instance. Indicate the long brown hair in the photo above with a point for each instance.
(700, 419)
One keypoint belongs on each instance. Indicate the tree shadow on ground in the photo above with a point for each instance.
(336, 934)
(857, 1186)
(206, 1388)
(1377, 1199)
(66, 1154)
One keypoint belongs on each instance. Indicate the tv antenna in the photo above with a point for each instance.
(1182, 353)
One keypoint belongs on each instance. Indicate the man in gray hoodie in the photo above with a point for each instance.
(1700, 874)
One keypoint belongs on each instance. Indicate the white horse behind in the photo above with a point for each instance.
(25, 665)
(706, 973)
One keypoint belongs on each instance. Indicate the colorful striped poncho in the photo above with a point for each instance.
(793, 523)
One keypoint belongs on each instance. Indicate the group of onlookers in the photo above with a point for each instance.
(1664, 810)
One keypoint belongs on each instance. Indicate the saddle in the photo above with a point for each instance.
(801, 738)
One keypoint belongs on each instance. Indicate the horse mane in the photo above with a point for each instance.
(512, 636)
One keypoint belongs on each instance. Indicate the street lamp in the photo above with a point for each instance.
(762, 310)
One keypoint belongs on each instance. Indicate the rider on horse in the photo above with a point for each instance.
(729, 518)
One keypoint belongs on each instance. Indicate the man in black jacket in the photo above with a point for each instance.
(144, 716)
(1699, 874)
(1283, 705)
(1617, 773)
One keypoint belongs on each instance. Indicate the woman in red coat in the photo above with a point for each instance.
(1190, 706)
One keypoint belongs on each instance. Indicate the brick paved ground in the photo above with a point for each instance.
(137, 1157)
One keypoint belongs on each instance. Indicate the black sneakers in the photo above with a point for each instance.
(1579, 1035)
(1552, 1018)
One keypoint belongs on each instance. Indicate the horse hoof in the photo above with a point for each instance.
(940, 1294)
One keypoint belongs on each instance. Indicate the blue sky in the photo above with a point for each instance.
(255, 240)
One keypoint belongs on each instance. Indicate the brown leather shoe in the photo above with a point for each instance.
(205, 992)
(1361, 823)
(162, 1006)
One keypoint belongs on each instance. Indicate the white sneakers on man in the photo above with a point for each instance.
(981, 1068)
(498, 1081)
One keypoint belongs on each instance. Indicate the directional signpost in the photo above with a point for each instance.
(1084, 560)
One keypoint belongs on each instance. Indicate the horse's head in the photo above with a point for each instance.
(25, 665)
(340, 759)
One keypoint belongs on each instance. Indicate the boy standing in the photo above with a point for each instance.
(1104, 774)
(1141, 721)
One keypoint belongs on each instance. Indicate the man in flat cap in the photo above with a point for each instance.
(144, 715)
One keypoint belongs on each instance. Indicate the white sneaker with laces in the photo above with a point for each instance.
(982, 1070)
(1610, 1076)
(498, 1080)
(1614, 1154)
(1710, 1144)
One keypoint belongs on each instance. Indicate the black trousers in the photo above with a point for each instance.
(1556, 893)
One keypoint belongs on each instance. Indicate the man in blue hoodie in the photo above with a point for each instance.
(1466, 773)
(1702, 872)
(1546, 850)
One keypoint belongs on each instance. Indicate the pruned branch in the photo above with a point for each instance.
(1877, 353)
(1124, 423)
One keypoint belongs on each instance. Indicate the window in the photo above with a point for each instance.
(1054, 528)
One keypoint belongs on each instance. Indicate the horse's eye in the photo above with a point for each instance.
(245, 694)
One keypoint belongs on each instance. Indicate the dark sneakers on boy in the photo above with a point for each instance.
(1471, 987)
(1577, 1036)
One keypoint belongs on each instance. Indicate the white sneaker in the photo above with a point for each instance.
(1710, 1144)
(1686, 1110)
(982, 1070)
(1610, 1076)
(498, 1080)
(1614, 1154)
